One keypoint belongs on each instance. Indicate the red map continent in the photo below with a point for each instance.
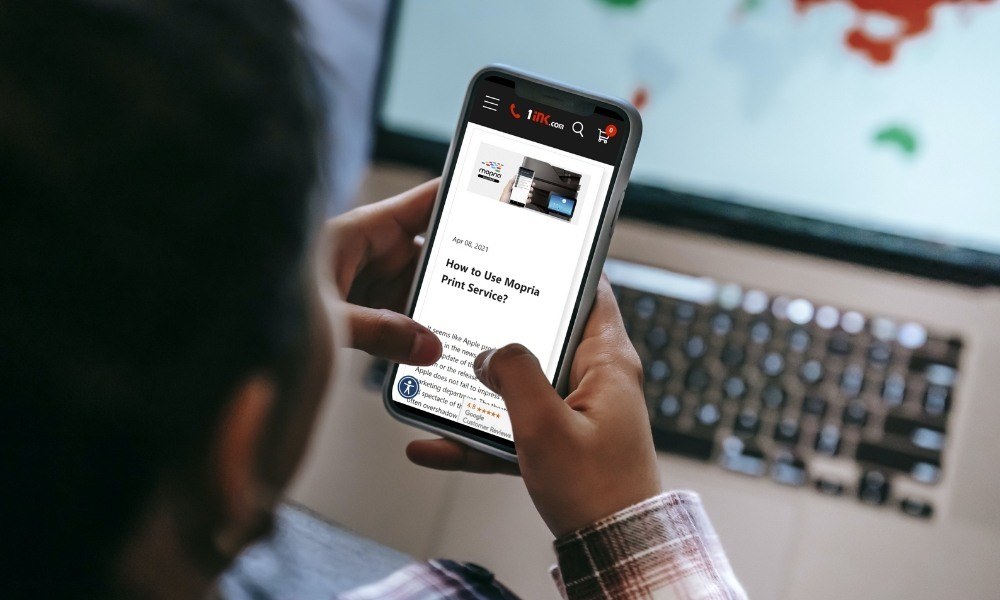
(914, 17)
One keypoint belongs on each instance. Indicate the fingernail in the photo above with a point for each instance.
(482, 363)
(425, 346)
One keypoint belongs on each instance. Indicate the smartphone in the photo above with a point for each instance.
(493, 272)
(522, 186)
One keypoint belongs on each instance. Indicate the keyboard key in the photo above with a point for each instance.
(811, 372)
(760, 332)
(772, 364)
(926, 473)
(937, 400)
(923, 362)
(923, 431)
(814, 405)
(827, 317)
(829, 487)
(734, 387)
(799, 340)
(708, 415)
(684, 312)
(755, 302)
(916, 508)
(880, 352)
(694, 444)
(743, 457)
(732, 356)
(697, 379)
(894, 389)
(928, 439)
(773, 396)
(670, 406)
(658, 371)
(912, 336)
(855, 413)
(645, 307)
(787, 432)
(779, 307)
(828, 440)
(942, 375)
(852, 322)
(695, 347)
(730, 296)
(883, 329)
(896, 453)
(904, 424)
(873, 488)
(800, 311)
(657, 338)
(789, 470)
(852, 380)
(747, 423)
(839, 344)
(722, 324)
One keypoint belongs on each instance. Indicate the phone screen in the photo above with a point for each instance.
(522, 186)
(524, 199)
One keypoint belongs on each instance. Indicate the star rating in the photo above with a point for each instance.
(484, 411)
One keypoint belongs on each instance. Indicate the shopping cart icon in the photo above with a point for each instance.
(603, 135)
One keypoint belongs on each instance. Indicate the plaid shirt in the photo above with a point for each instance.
(664, 547)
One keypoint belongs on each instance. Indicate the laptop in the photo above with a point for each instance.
(808, 263)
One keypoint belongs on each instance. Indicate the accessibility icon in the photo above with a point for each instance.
(408, 387)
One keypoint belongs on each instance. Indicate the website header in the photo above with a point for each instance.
(596, 136)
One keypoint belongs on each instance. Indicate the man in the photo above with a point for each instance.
(166, 322)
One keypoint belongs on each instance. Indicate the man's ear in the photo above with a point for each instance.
(244, 497)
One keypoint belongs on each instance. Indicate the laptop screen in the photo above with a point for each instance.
(878, 115)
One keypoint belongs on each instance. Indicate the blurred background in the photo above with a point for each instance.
(808, 264)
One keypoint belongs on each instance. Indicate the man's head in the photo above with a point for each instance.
(156, 160)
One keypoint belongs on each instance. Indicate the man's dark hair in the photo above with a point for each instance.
(156, 160)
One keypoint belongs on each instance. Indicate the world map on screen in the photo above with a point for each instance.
(874, 113)
(878, 30)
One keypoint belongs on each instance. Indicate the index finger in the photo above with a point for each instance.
(409, 211)
(372, 231)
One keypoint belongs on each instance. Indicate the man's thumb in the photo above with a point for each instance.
(515, 374)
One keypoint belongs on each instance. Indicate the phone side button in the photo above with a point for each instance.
(614, 222)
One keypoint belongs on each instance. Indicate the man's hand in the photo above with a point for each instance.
(374, 254)
(584, 458)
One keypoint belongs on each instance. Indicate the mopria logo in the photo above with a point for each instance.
(490, 170)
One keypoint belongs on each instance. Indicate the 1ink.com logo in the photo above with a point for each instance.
(491, 170)
(408, 387)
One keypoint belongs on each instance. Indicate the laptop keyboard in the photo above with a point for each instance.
(780, 387)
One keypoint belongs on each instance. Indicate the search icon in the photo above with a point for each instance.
(578, 128)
